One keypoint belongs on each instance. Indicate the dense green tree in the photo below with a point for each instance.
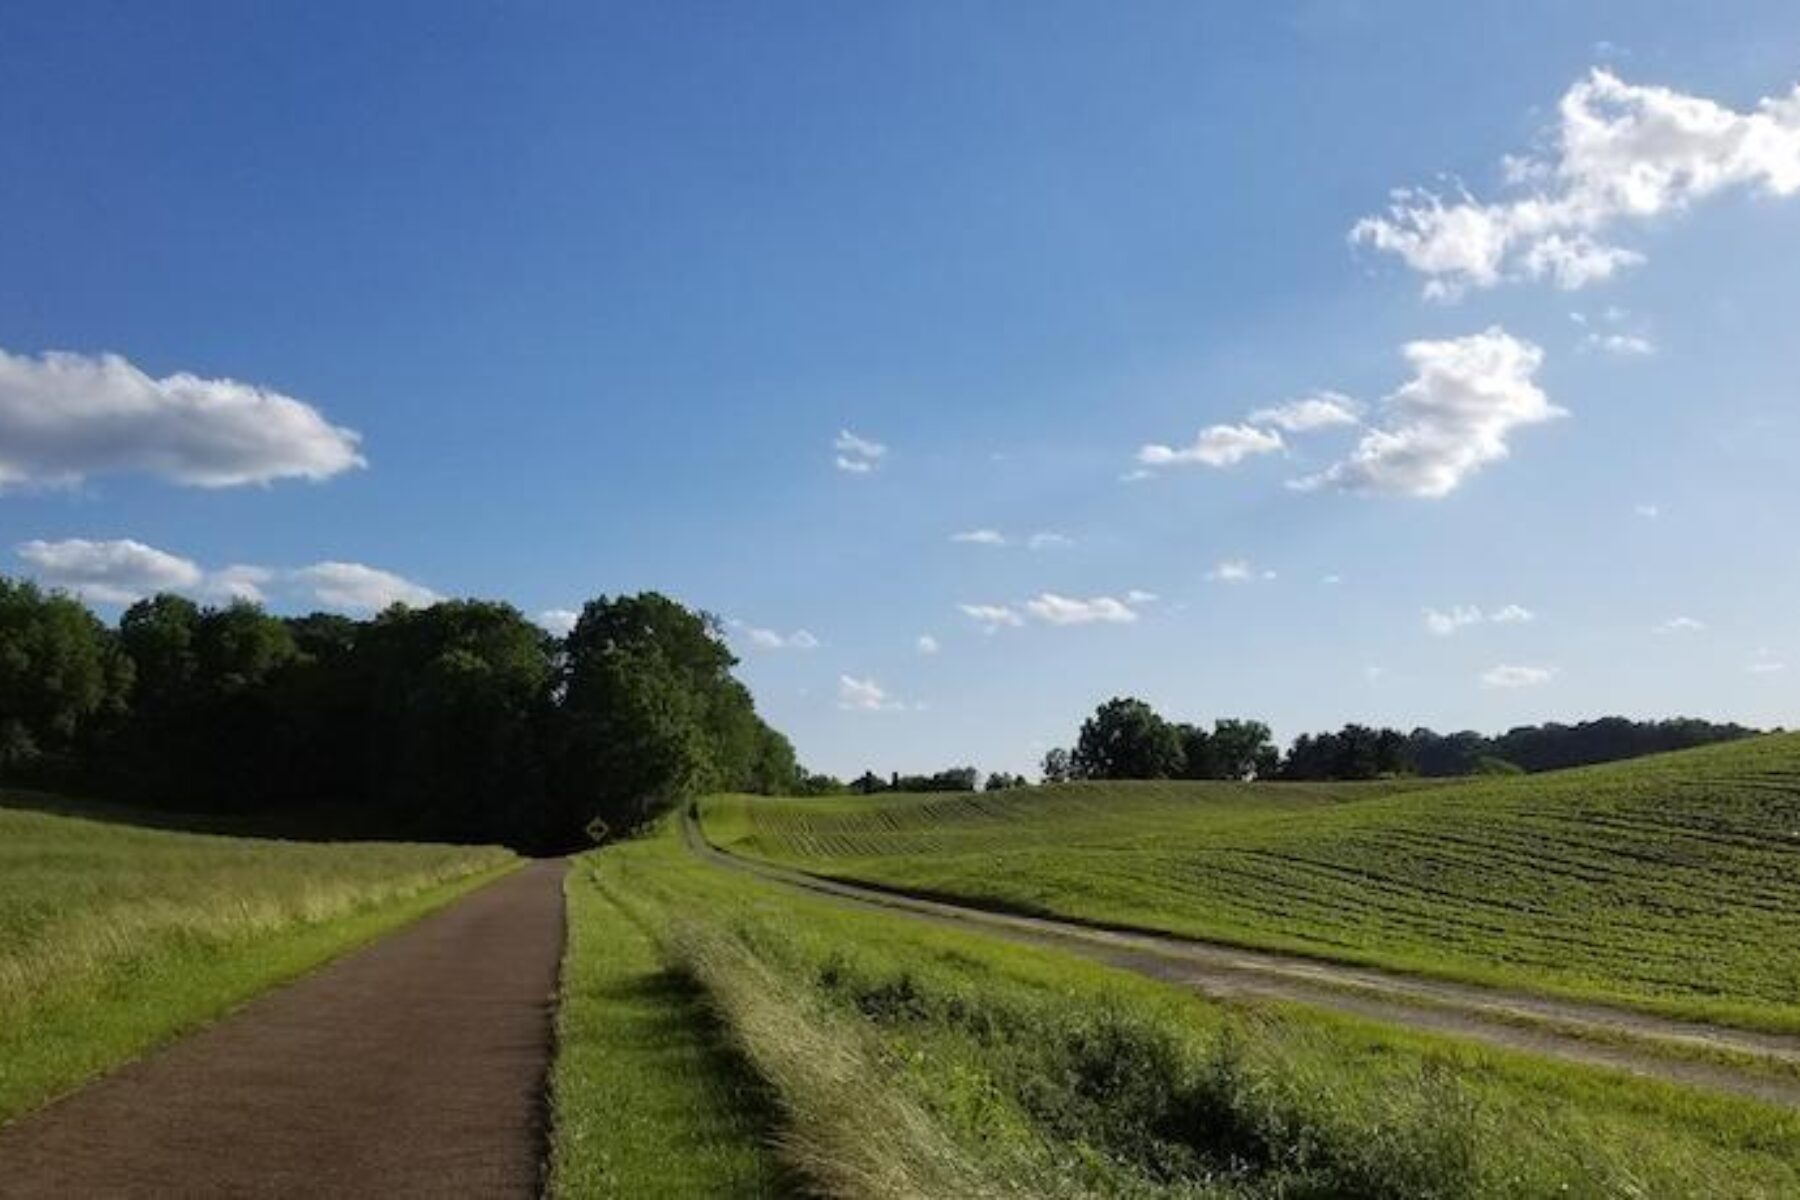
(1243, 749)
(1126, 739)
(1058, 766)
(59, 670)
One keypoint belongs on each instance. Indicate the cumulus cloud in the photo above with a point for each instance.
(1064, 610)
(1620, 152)
(360, 588)
(1216, 446)
(1517, 677)
(992, 617)
(123, 571)
(65, 417)
(1321, 410)
(857, 455)
(927, 644)
(560, 621)
(979, 537)
(864, 695)
(1681, 625)
(1445, 623)
(1451, 419)
(110, 572)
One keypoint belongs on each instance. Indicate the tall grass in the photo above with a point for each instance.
(911, 1060)
(113, 937)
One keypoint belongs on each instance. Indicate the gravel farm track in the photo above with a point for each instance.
(413, 1067)
(1688, 1053)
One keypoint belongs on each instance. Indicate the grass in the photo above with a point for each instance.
(907, 1059)
(115, 938)
(1669, 883)
(649, 1099)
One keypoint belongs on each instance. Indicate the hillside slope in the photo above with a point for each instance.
(1671, 882)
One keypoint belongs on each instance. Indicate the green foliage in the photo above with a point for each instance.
(1125, 739)
(462, 720)
(1666, 882)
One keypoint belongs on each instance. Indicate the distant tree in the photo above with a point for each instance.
(868, 784)
(1058, 766)
(1197, 758)
(1126, 739)
(1243, 750)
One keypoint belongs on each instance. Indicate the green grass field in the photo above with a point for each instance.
(1670, 883)
(906, 1059)
(114, 938)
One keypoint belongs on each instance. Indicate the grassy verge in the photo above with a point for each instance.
(914, 1060)
(114, 939)
(649, 1097)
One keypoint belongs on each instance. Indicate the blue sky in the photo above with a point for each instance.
(598, 290)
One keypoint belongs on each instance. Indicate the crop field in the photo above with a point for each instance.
(894, 1057)
(1669, 883)
(115, 937)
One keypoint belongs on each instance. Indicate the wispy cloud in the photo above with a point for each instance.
(993, 617)
(857, 455)
(1320, 410)
(1215, 446)
(1066, 610)
(927, 644)
(865, 695)
(1517, 677)
(1237, 570)
(979, 537)
(1681, 625)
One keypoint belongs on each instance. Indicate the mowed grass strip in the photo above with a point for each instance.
(916, 1060)
(1670, 883)
(115, 938)
(649, 1097)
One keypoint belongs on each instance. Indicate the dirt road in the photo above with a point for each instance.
(414, 1067)
(1683, 1052)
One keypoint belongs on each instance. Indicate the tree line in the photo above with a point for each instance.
(1127, 739)
(462, 720)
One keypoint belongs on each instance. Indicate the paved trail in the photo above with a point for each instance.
(414, 1067)
(1682, 1052)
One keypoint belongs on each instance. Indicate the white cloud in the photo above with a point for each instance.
(771, 639)
(110, 572)
(1321, 410)
(1681, 625)
(1623, 345)
(1512, 614)
(1765, 665)
(1452, 418)
(864, 695)
(1331, 580)
(560, 621)
(361, 588)
(980, 537)
(64, 417)
(927, 644)
(1517, 677)
(1234, 570)
(1443, 624)
(1136, 475)
(123, 571)
(993, 616)
(1138, 596)
(1216, 446)
(1048, 539)
(1621, 152)
(1064, 610)
(857, 455)
(240, 582)
(1648, 511)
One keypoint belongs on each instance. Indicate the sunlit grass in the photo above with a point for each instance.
(914, 1060)
(115, 937)
(1671, 883)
